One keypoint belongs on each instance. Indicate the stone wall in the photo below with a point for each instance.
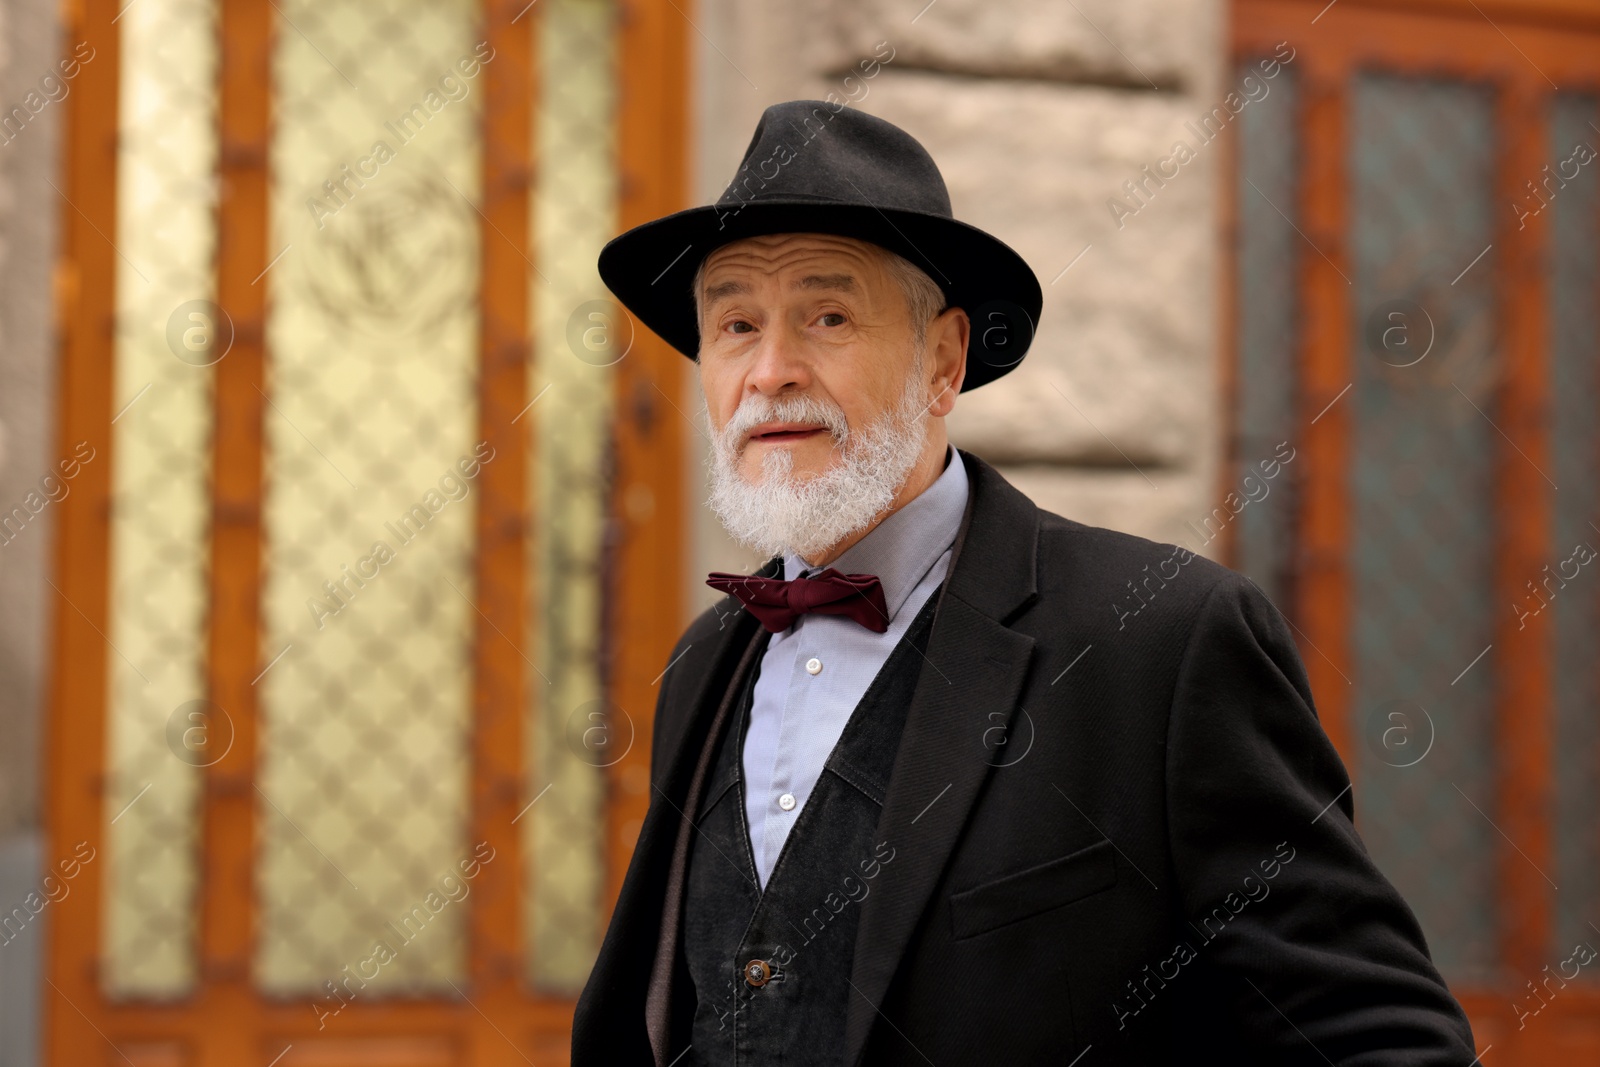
(1037, 115)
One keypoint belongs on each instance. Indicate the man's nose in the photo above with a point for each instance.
(780, 363)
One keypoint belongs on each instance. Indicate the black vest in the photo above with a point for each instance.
(771, 969)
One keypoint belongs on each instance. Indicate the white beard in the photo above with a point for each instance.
(786, 514)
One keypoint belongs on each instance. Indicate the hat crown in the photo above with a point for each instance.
(814, 151)
(819, 167)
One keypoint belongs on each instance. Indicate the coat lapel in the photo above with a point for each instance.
(969, 684)
(618, 986)
(685, 762)
(712, 666)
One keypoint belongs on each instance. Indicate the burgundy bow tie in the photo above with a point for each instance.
(777, 602)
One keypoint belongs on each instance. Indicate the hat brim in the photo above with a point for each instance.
(651, 269)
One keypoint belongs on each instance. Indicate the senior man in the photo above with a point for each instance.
(926, 787)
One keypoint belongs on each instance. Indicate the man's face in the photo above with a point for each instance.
(806, 314)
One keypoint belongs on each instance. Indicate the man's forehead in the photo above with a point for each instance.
(805, 261)
(843, 282)
(787, 250)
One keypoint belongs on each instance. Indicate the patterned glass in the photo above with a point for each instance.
(1267, 251)
(1568, 585)
(577, 338)
(160, 530)
(1422, 211)
(371, 460)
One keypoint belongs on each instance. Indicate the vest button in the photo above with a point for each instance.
(814, 665)
(756, 973)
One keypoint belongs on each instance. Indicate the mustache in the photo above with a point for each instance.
(801, 407)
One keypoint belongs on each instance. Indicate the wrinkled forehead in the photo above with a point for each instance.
(801, 260)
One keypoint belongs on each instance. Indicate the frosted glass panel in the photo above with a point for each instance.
(160, 469)
(1422, 165)
(574, 215)
(1266, 309)
(371, 468)
(1568, 584)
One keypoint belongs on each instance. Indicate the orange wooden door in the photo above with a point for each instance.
(349, 722)
(1413, 230)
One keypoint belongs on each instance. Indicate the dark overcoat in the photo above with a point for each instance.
(1118, 831)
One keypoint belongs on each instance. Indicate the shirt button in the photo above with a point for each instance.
(814, 665)
(786, 802)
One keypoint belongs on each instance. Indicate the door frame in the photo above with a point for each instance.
(1518, 47)
(226, 1022)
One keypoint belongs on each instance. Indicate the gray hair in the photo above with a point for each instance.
(924, 298)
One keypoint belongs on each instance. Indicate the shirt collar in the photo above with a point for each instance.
(902, 547)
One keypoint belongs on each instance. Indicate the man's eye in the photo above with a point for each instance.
(740, 327)
(832, 315)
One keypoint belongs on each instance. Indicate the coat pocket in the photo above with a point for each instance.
(1028, 893)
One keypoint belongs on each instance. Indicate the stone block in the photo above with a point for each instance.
(1123, 361)
(1159, 509)
(1151, 44)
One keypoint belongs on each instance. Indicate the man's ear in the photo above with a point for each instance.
(948, 335)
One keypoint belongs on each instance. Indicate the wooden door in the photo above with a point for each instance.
(365, 583)
(1414, 235)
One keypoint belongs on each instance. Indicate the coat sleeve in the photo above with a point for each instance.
(1312, 949)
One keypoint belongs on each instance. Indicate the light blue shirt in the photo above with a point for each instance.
(814, 673)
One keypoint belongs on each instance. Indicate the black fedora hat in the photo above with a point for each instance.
(817, 167)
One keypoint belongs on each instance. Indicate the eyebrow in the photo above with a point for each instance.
(730, 288)
(845, 283)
